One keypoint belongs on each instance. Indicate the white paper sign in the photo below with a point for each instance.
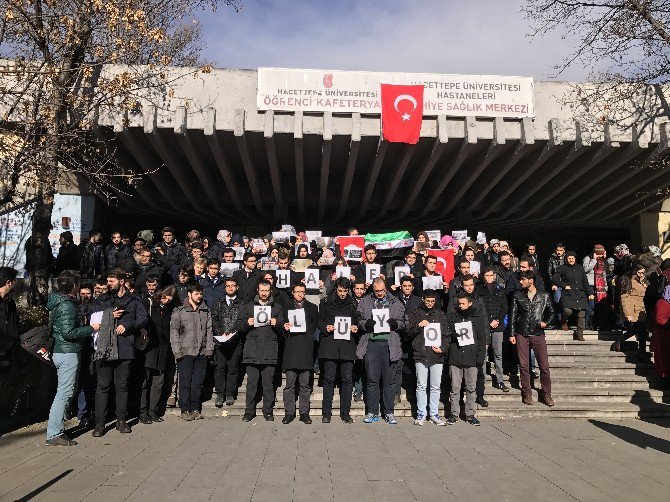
(342, 328)
(465, 333)
(372, 270)
(283, 279)
(96, 318)
(460, 235)
(434, 235)
(399, 273)
(313, 234)
(432, 282)
(224, 338)
(381, 318)
(239, 253)
(432, 334)
(296, 319)
(311, 278)
(481, 238)
(262, 315)
(281, 237)
(341, 271)
(227, 269)
(475, 267)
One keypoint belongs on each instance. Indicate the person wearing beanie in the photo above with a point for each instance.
(576, 292)
(594, 267)
(67, 258)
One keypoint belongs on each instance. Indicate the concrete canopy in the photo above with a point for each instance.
(216, 156)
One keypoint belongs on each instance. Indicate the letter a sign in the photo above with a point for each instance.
(342, 328)
(262, 315)
(432, 334)
(465, 333)
(312, 278)
(297, 320)
(283, 278)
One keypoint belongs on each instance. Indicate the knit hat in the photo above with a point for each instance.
(599, 249)
(570, 253)
(447, 241)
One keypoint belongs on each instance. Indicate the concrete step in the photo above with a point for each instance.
(556, 334)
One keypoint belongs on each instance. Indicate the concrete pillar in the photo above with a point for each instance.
(653, 228)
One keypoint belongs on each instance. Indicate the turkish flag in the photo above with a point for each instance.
(445, 262)
(402, 112)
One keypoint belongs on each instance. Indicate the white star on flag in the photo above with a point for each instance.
(406, 116)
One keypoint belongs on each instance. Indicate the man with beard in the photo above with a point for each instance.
(67, 258)
(145, 268)
(129, 317)
(92, 256)
(338, 353)
(260, 352)
(192, 343)
(171, 250)
(503, 270)
(411, 302)
(118, 255)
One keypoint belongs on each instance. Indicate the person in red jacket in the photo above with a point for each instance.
(660, 342)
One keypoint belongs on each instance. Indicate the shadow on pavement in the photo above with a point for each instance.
(41, 488)
(634, 436)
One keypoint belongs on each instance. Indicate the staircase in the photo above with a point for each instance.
(588, 381)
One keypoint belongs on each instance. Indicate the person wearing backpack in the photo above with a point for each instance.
(69, 336)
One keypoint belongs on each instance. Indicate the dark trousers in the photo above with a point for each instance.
(578, 315)
(152, 390)
(378, 367)
(301, 377)
(86, 386)
(191, 370)
(264, 372)
(118, 372)
(398, 368)
(227, 360)
(359, 376)
(639, 330)
(346, 384)
(539, 345)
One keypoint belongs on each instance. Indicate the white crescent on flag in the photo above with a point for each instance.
(403, 97)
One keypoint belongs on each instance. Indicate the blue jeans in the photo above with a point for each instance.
(422, 371)
(66, 370)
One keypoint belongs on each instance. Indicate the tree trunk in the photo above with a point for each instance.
(39, 256)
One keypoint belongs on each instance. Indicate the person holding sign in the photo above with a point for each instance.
(338, 323)
(260, 321)
(411, 302)
(298, 361)
(361, 272)
(427, 330)
(467, 349)
(531, 313)
(431, 279)
(382, 317)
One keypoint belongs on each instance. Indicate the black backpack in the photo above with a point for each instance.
(39, 343)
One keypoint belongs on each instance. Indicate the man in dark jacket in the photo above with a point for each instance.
(261, 351)
(118, 255)
(69, 336)
(556, 260)
(228, 350)
(467, 349)
(129, 317)
(429, 359)
(247, 278)
(146, 266)
(531, 313)
(495, 302)
(92, 255)
(411, 302)
(571, 279)
(173, 252)
(68, 254)
(298, 359)
(338, 348)
(213, 285)
(9, 319)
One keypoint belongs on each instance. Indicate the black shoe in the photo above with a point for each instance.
(358, 397)
(304, 418)
(230, 401)
(452, 420)
(219, 401)
(346, 418)
(248, 417)
(123, 427)
(288, 419)
(99, 430)
(326, 418)
(269, 417)
(472, 420)
(155, 417)
(482, 402)
(144, 419)
(61, 440)
(502, 387)
(85, 423)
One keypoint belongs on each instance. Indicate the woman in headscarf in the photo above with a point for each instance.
(660, 342)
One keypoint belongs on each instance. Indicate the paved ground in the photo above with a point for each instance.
(225, 459)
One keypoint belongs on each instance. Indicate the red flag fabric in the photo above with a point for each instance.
(445, 262)
(351, 247)
(402, 112)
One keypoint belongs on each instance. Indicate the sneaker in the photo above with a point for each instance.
(502, 387)
(452, 420)
(437, 420)
(325, 419)
(390, 419)
(346, 418)
(219, 401)
(419, 420)
(186, 415)
(358, 397)
(370, 417)
(61, 440)
(472, 420)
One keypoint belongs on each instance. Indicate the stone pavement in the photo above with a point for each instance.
(228, 460)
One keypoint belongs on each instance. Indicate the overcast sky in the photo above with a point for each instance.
(433, 36)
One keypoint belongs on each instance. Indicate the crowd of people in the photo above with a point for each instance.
(147, 320)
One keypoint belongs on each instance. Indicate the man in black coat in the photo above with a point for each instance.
(145, 268)
(68, 254)
(9, 319)
(411, 302)
(298, 358)
(173, 252)
(92, 255)
(338, 352)
(575, 293)
(261, 348)
(117, 254)
(247, 278)
(227, 353)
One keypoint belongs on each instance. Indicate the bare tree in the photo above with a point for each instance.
(66, 61)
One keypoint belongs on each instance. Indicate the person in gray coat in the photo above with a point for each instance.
(380, 349)
(192, 343)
